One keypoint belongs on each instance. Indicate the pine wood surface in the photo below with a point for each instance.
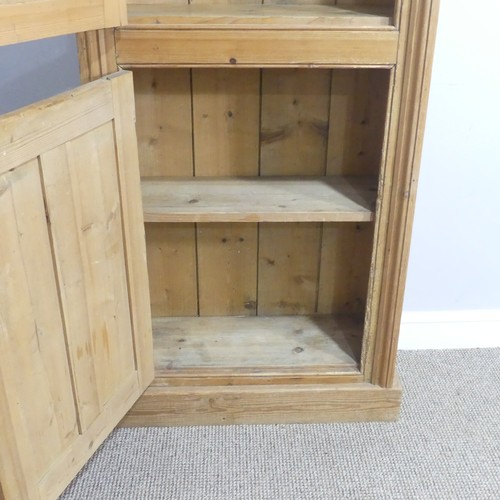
(346, 252)
(87, 241)
(96, 54)
(163, 405)
(292, 135)
(67, 286)
(164, 122)
(320, 344)
(255, 48)
(404, 146)
(269, 15)
(133, 223)
(262, 199)
(351, 120)
(172, 269)
(24, 20)
(227, 269)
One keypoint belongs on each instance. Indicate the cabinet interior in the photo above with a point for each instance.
(260, 188)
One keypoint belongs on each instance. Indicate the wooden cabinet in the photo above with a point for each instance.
(270, 188)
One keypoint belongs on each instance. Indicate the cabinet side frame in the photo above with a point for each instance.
(398, 189)
(96, 54)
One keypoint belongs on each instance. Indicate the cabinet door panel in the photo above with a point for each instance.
(35, 373)
(23, 20)
(75, 338)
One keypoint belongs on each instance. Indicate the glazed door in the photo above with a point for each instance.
(75, 325)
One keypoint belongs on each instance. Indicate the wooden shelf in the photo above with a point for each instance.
(285, 17)
(259, 199)
(257, 36)
(257, 346)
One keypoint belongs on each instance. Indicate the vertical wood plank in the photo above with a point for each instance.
(133, 225)
(405, 137)
(357, 117)
(226, 121)
(288, 268)
(93, 173)
(96, 54)
(164, 134)
(345, 268)
(226, 113)
(227, 269)
(294, 121)
(164, 128)
(171, 255)
(68, 256)
(356, 140)
(224, 2)
(294, 131)
(34, 367)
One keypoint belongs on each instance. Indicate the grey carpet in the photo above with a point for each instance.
(445, 446)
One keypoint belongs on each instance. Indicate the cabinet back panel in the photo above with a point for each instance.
(251, 122)
(253, 2)
(164, 128)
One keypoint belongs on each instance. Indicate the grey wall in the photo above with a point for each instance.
(454, 260)
(35, 70)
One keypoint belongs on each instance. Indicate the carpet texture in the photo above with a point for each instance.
(445, 446)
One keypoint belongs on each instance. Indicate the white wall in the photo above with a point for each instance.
(453, 288)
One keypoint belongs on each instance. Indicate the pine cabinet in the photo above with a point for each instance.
(239, 255)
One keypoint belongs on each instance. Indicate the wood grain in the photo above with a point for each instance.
(226, 142)
(165, 138)
(226, 122)
(172, 266)
(398, 199)
(71, 262)
(164, 128)
(358, 111)
(96, 54)
(346, 251)
(294, 129)
(133, 223)
(227, 269)
(259, 199)
(30, 131)
(255, 47)
(25, 20)
(38, 406)
(258, 345)
(164, 406)
(288, 268)
(93, 180)
(244, 15)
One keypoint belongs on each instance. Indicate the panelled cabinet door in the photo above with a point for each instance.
(75, 324)
(23, 20)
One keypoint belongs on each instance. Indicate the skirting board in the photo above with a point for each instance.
(450, 329)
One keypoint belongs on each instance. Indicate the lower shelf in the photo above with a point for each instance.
(249, 370)
(257, 346)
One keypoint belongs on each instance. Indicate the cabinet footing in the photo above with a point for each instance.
(162, 405)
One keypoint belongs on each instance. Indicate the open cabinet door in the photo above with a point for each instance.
(23, 20)
(75, 323)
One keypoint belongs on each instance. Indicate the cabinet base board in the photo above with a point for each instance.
(162, 405)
